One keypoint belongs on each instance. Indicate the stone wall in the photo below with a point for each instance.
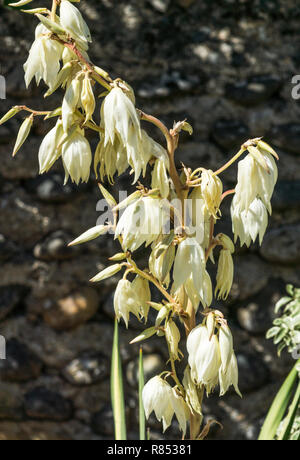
(227, 67)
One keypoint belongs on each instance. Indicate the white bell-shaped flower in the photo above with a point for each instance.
(142, 222)
(77, 158)
(189, 264)
(118, 116)
(229, 377)
(126, 301)
(204, 357)
(228, 373)
(160, 397)
(111, 158)
(248, 225)
(254, 181)
(72, 20)
(43, 61)
(141, 287)
(50, 150)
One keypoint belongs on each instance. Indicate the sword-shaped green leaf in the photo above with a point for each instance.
(117, 391)
(278, 408)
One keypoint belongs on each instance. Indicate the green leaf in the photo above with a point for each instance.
(281, 303)
(142, 421)
(289, 421)
(290, 290)
(272, 332)
(117, 391)
(280, 336)
(278, 408)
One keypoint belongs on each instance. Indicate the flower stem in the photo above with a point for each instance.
(230, 162)
(53, 10)
(171, 147)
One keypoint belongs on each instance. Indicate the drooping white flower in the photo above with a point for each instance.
(141, 287)
(77, 158)
(126, 301)
(43, 61)
(160, 397)
(118, 116)
(212, 189)
(226, 345)
(204, 357)
(254, 181)
(192, 395)
(189, 264)
(229, 377)
(160, 262)
(50, 150)
(111, 158)
(142, 222)
(72, 20)
(248, 225)
(212, 359)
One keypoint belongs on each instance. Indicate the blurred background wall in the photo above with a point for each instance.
(225, 65)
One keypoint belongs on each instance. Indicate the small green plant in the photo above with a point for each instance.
(283, 420)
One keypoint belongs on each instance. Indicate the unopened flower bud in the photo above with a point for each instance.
(144, 335)
(173, 338)
(224, 274)
(90, 235)
(11, 113)
(23, 134)
(70, 102)
(88, 98)
(106, 273)
(160, 178)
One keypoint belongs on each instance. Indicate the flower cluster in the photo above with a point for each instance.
(174, 217)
